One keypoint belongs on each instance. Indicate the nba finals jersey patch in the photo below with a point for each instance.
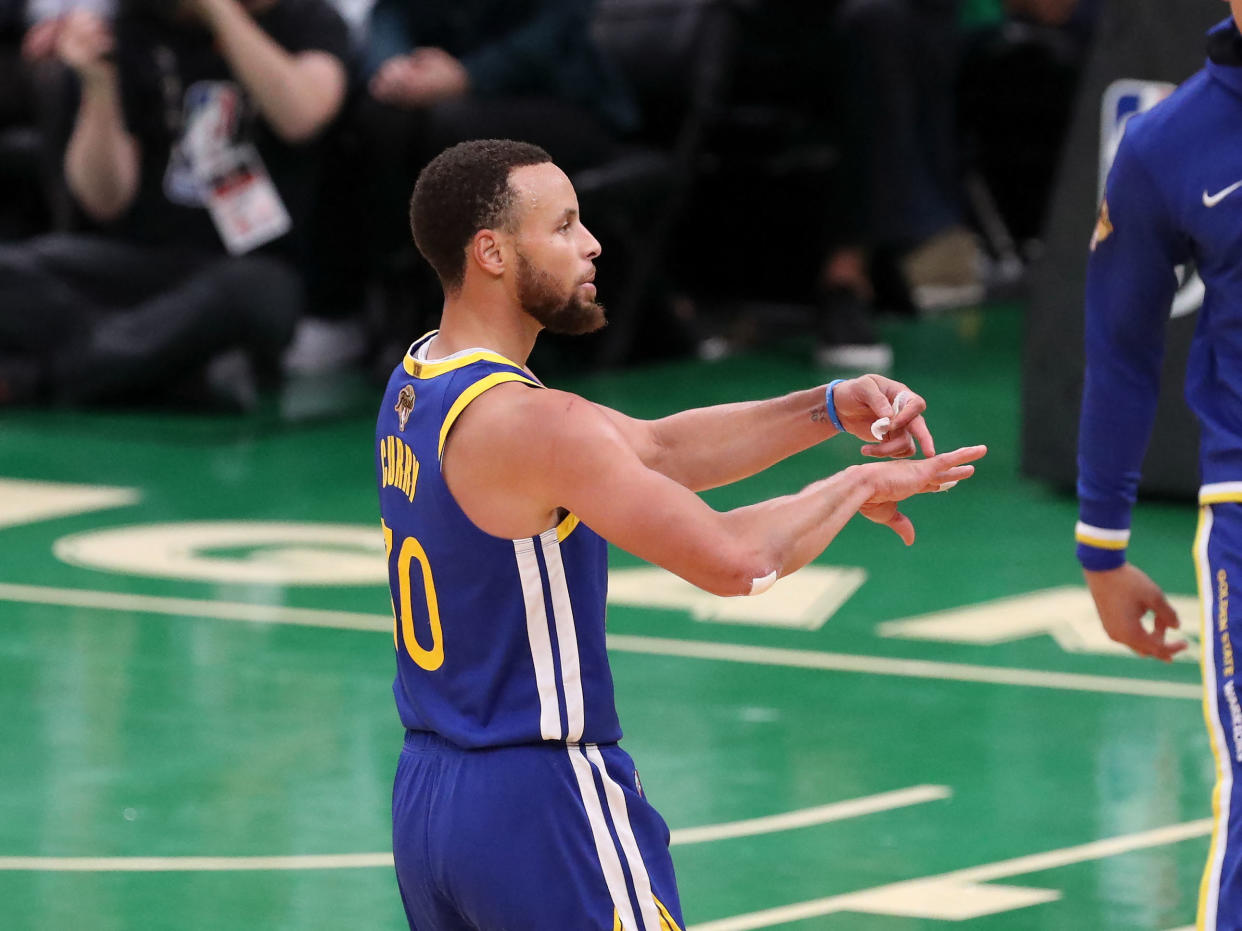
(1103, 226)
(404, 406)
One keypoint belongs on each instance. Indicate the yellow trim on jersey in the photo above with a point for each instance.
(483, 384)
(1101, 544)
(616, 921)
(566, 527)
(1207, 640)
(1220, 497)
(420, 369)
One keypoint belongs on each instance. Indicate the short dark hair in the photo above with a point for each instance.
(462, 190)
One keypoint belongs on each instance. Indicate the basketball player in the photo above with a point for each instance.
(514, 807)
(1174, 195)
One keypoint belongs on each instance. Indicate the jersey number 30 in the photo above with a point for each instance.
(411, 550)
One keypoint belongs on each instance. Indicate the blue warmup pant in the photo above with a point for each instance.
(529, 838)
(1218, 563)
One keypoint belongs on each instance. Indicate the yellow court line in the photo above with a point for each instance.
(628, 643)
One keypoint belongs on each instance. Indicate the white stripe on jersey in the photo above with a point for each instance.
(566, 636)
(621, 821)
(604, 849)
(1220, 746)
(1101, 533)
(540, 641)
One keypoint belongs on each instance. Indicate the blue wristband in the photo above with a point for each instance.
(832, 407)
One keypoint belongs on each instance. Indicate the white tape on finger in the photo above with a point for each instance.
(880, 428)
(759, 586)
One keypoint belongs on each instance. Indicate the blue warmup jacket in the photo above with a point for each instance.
(1173, 197)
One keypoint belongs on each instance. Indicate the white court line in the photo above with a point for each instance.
(331, 861)
(190, 607)
(1096, 850)
(691, 649)
(837, 811)
(913, 668)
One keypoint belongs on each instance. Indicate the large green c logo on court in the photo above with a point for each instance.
(235, 552)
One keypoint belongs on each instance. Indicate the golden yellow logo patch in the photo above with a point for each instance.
(1103, 226)
(405, 404)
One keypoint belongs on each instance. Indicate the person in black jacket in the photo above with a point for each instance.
(194, 152)
(441, 73)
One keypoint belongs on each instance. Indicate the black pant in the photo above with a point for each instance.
(900, 177)
(115, 320)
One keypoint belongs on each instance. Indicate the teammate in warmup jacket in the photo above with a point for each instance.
(514, 807)
(1173, 197)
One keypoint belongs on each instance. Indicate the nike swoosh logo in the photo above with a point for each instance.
(1211, 200)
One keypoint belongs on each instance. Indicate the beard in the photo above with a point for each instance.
(544, 299)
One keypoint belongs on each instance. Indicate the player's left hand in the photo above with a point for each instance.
(862, 401)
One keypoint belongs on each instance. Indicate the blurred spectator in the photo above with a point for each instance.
(899, 193)
(1019, 82)
(843, 116)
(194, 151)
(438, 73)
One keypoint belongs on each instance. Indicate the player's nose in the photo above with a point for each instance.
(591, 244)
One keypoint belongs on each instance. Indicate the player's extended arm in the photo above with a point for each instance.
(298, 94)
(518, 454)
(1130, 286)
(711, 446)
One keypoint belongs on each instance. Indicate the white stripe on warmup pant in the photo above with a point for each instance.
(621, 821)
(1223, 757)
(604, 849)
(566, 637)
(540, 641)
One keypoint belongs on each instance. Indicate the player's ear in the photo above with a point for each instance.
(485, 251)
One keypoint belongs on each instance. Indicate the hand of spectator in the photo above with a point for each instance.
(424, 77)
(39, 42)
(84, 42)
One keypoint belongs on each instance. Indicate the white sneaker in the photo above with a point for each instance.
(324, 346)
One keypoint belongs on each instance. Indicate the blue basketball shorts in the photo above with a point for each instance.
(1218, 564)
(544, 837)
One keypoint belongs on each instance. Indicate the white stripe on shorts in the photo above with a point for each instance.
(604, 849)
(621, 821)
(540, 640)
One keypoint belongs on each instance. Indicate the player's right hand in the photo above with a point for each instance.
(891, 482)
(84, 43)
(1123, 596)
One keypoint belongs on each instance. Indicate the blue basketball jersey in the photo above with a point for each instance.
(498, 642)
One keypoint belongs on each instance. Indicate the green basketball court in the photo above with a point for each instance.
(198, 730)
